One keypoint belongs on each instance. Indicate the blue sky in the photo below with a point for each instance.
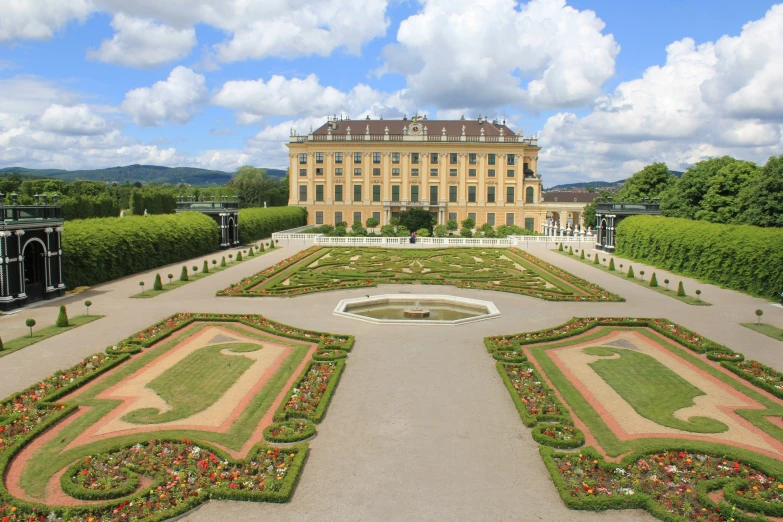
(607, 86)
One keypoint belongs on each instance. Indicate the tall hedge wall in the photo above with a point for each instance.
(258, 223)
(741, 257)
(98, 250)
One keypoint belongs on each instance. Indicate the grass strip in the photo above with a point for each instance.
(766, 329)
(45, 333)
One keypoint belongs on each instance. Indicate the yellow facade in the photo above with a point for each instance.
(345, 177)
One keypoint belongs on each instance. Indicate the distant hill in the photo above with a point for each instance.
(142, 173)
(598, 185)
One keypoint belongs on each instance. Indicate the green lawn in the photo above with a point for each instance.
(196, 382)
(661, 288)
(149, 293)
(652, 389)
(39, 334)
(766, 329)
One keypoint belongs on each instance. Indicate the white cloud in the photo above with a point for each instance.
(169, 101)
(463, 53)
(140, 42)
(256, 99)
(38, 19)
(75, 120)
(716, 98)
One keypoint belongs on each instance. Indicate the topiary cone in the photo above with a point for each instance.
(239, 256)
(158, 284)
(570, 251)
(596, 261)
(250, 252)
(223, 261)
(630, 272)
(262, 247)
(205, 268)
(560, 247)
(183, 276)
(1, 344)
(582, 254)
(680, 290)
(653, 281)
(611, 265)
(62, 317)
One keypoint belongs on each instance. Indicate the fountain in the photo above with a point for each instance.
(416, 311)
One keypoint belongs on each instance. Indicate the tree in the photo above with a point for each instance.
(452, 225)
(468, 223)
(239, 256)
(641, 273)
(683, 197)
(649, 182)
(666, 282)
(441, 231)
(158, 284)
(183, 276)
(759, 313)
(423, 232)
(719, 204)
(417, 218)
(372, 222)
(630, 272)
(653, 281)
(570, 251)
(358, 229)
(252, 186)
(251, 251)
(30, 323)
(88, 304)
(582, 254)
(141, 284)
(387, 230)
(466, 232)
(680, 290)
(205, 267)
(223, 261)
(194, 268)
(403, 231)
(698, 295)
(588, 214)
(170, 276)
(62, 318)
(760, 202)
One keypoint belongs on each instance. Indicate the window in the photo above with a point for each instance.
(319, 217)
(491, 173)
(510, 218)
(472, 173)
(414, 172)
(302, 192)
(303, 172)
(319, 172)
(509, 194)
(338, 172)
(433, 194)
(414, 193)
(357, 217)
(472, 158)
(376, 192)
(415, 157)
(338, 157)
(319, 158)
(319, 192)
(338, 218)
(376, 157)
(525, 167)
(453, 172)
(357, 157)
(453, 158)
(530, 194)
(453, 215)
(357, 192)
(433, 172)
(376, 171)
(472, 194)
(530, 224)
(490, 194)
(472, 215)
(395, 157)
(303, 158)
(433, 157)
(510, 159)
(491, 218)
(357, 171)
(338, 193)
(452, 193)
(395, 172)
(510, 173)
(491, 159)
(395, 192)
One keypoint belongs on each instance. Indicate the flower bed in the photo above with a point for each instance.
(311, 393)
(762, 376)
(329, 355)
(563, 436)
(535, 401)
(289, 431)
(510, 356)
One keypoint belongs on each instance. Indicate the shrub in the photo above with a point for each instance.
(582, 254)
(666, 282)
(441, 231)
(466, 232)
(258, 223)
(251, 252)
(1, 344)
(171, 277)
(223, 261)
(630, 272)
(87, 305)
(698, 295)
(560, 247)
(596, 261)
(570, 251)
(611, 265)
(680, 290)
(99, 250)
(653, 281)
(194, 268)
(739, 257)
(261, 248)
(239, 256)
(158, 284)
(183, 276)
(641, 273)
(141, 284)
(423, 232)
(759, 313)
(271, 245)
(205, 267)
(30, 323)
(62, 317)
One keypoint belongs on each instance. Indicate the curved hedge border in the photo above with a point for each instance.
(26, 415)
(741, 257)
(299, 431)
(329, 355)
(259, 223)
(99, 250)
(558, 435)
(71, 488)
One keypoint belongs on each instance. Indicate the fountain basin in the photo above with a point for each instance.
(417, 309)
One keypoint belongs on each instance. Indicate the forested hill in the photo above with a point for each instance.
(142, 173)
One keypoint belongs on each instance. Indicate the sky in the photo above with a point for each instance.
(607, 86)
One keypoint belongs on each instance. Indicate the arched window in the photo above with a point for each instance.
(530, 195)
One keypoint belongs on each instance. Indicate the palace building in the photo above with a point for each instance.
(351, 170)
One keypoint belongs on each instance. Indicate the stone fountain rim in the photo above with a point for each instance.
(491, 311)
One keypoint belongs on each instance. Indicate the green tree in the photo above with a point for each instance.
(653, 281)
(630, 272)
(649, 182)
(417, 218)
(441, 231)
(387, 230)
(88, 304)
(403, 231)
(252, 186)
(760, 202)
(468, 223)
(183, 276)
(680, 290)
(611, 265)
(719, 204)
(223, 261)
(358, 229)
(372, 222)
(683, 198)
(30, 323)
(158, 284)
(452, 225)
(423, 232)
(205, 268)
(588, 214)
(466, 232)
(759, 313)
(62, 318)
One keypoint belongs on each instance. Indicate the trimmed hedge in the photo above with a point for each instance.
(99, 250)
(740, 257)
(259, 223)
